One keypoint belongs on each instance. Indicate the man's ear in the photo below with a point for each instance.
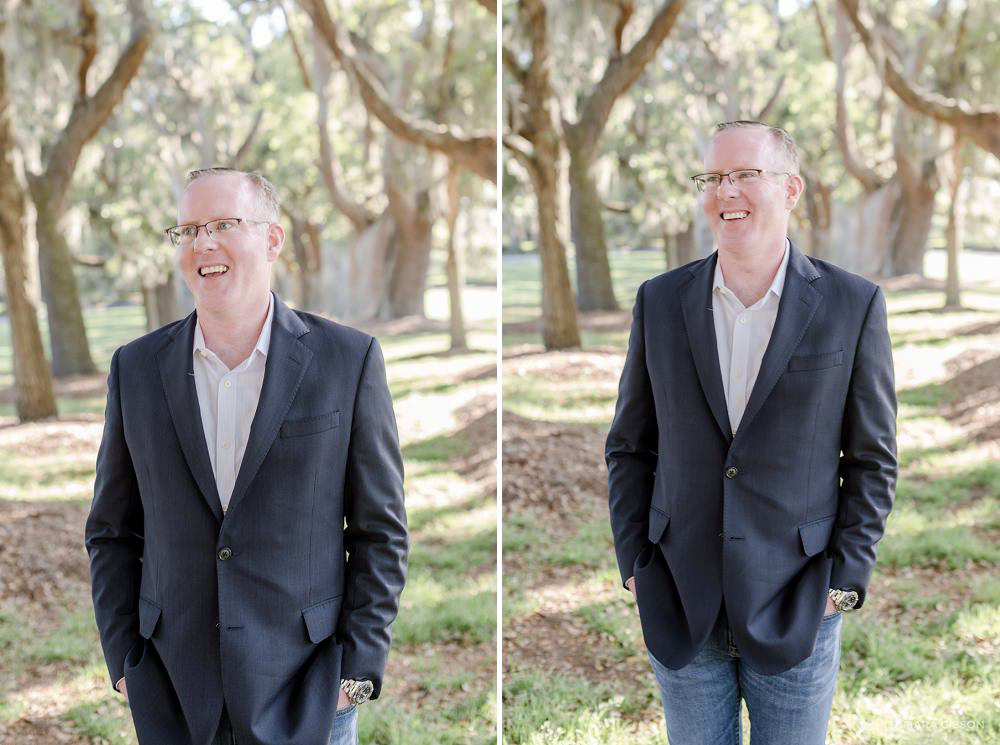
(794, 187)
(275, 240)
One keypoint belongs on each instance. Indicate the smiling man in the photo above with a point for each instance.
(247, 536)
(752, 459)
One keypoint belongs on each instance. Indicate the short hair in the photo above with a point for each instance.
(267, 197)
(783, 142)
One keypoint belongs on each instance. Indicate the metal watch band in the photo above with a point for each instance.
(358, 691)
(844, 600)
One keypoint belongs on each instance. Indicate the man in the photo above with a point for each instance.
(752, 459)
(247, 536)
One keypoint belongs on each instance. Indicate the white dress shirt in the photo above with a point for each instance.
(228, 401)
(742, 335)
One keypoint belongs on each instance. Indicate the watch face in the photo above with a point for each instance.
(365, 691)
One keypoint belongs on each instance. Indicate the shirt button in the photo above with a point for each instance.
(731, 472)
(225, 553)
(225, 446)
(743, 319)
(228, 384)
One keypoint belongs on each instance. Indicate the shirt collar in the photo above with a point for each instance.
(263, 341)
(777, 284)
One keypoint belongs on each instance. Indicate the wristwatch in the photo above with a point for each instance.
(358, 691)
(844, 600)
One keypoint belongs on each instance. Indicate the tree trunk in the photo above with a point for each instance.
(167, 308)
(955, 228)
(594, 289)
(33, 395)
(559, 323)
(455, 266)
(913, 228)
(67, 332)
(307, 259)
(354, 275)
(410, 257)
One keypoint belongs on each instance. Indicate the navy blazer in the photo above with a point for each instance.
(769, 518)
(268, 606)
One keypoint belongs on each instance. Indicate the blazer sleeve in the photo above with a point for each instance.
(631, 450)
(375, 535)
(114, 537)
(868, 465)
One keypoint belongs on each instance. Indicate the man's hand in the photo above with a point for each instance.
(342, 700)
(630, 584)
(830, 607)
(122, 688)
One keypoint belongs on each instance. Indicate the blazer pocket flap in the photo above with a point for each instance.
(816, 361)
(310, 425)
(816, 534)
(149, 614)
(321, 619)
(658, 522)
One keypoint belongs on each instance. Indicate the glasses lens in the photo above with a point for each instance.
(745, 176)
(218, 227)
(706, 181)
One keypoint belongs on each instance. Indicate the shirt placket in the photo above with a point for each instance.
(739, 367)
(226, 438)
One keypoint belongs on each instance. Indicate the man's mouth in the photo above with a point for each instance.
(213, 271)
(727, 216)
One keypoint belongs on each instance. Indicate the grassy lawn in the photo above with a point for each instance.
(921, 661)
(440, 683)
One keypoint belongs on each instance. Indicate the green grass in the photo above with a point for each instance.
(522, 287)
(540, 709)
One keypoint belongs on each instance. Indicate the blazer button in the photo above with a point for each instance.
(225, 553)
(731, 472)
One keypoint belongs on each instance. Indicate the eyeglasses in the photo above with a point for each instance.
(742, 177)
(184, 235)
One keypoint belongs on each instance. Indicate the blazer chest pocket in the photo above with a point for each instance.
(310, 425)
(822, 361)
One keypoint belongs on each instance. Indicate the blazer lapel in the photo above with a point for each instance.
(176, 364)
(799, 301)
(696, 305)
(287, 360)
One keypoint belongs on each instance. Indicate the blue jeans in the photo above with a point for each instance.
(345, 728)
(701, 701)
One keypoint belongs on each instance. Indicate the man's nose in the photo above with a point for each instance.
(202, 240)
(726, 187)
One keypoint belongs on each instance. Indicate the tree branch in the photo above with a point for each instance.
(296, 49)
(90, 114)
(490, 5)
(843, 132)
(329, 165)
(622, 72)
(475, 151)
(244, 148)
(980, 124)
(88, 44)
